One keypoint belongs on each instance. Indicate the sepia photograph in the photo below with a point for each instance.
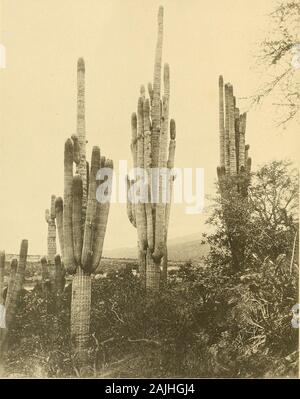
(149, 208)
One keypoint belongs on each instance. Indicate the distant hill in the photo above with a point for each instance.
(181, 249)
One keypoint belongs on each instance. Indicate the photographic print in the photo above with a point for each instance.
(149, 211)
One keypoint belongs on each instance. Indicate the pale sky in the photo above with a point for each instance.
(43, 40)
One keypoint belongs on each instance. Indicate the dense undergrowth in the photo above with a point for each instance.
(207, 323)
(211, 320)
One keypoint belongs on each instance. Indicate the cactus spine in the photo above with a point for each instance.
(235, 165)
(149, 146)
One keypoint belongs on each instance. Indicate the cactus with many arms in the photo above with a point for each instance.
(235, 168)
(234, 159)
(81, 221)
(149, 147)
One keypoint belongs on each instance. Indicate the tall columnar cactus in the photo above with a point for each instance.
(83, 220)
(234, 170)
(149, 147)
(16, 284)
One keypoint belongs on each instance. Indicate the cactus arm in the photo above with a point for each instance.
(130, 204)
(67, 211)
(242, 130)
(77, 193)
(170, 165)
(81, 133)
(2, 270)
(133, 145)
(102, 161)
(12, 300)
(150, 92)
(76, 149)
(87, 182)
(103, 209)
(140, 207)
(52, 208)
(156, 114)
(237, 137)
(133, 203)
(161, 206)
(221, 122)
(97, 251)
(226, 138)
(232, 149)
(147, 166)
(59, 223)
(89, 228)
(143, 91)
